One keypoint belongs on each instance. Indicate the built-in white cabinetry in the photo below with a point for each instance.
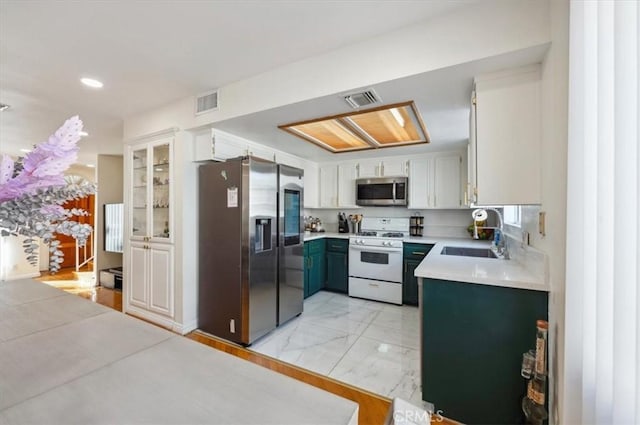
(328, 176)
(311, 185)
(337, 185)
(151, 278)
(393, 167)
(217, 145)
(347, 175)
(388, 167)
(435, 181)
(420, 183)
(447, 183)
(506, 141)
(149, 267)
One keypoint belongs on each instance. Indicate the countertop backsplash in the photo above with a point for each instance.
(437, 223)
(531, 258)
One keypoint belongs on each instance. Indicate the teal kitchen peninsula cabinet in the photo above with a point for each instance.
(337, 265)
(414, 253)
(473, 339)
(314, 266)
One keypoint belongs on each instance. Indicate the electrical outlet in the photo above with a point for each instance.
(541, 223)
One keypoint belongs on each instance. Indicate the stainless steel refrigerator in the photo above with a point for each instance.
(238, 294)
(290, 242)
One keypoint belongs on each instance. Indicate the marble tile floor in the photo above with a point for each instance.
(367, 344)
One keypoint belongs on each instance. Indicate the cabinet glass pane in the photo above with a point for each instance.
(139, 193)
(161, 191)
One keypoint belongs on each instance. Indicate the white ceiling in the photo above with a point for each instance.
(150, 53)
(443, 98)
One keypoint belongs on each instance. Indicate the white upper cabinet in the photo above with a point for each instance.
(435, 181)
(369, 168)
(347, 185)
(394, 167)
(328, 176)
(311, 185)
(337, 185)
(447, 183)
(420, 183)
(508, 128)
(386, 167)
(149, 179)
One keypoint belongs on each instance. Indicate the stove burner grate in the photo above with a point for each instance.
(366, 233)
(392, 235)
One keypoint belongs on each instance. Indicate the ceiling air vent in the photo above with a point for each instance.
(207, 102)
(360, 99)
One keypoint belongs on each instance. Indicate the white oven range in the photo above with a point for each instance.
(375, 259)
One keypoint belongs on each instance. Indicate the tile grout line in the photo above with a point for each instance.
(354, 342)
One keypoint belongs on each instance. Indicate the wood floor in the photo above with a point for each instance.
(373, 408)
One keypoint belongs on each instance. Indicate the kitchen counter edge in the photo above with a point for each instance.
(319, 235)
(409, 239)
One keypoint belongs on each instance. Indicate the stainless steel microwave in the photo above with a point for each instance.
(382, 191)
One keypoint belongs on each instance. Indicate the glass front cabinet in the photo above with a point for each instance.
(148, 270)
(150, 191)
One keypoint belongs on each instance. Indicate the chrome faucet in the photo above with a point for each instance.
(480, 214)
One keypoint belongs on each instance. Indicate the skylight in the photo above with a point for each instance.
(386, 126)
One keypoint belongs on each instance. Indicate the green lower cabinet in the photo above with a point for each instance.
(337, 265)
(413, 255)
(410, 283)
(314, 266)
(337, 272)
(473, 339)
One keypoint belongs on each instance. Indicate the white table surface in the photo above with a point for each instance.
(66, 360)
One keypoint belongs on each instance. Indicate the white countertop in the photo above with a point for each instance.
(67, 360)
(485, 271)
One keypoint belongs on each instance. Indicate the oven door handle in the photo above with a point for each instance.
(386, 250)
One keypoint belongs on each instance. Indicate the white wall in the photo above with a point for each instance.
(13, 260)
(109, 171)
(185, 221)
(483, 30)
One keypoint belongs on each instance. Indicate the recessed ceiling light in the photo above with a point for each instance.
(4, 107)
(25, 150)
(83, 134)
(90, 82)
(91, 165)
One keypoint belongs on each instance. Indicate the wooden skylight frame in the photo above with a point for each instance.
(398, 124)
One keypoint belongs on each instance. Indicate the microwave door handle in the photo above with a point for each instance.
(394, 190)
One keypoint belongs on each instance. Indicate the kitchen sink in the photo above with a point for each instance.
(468, 252)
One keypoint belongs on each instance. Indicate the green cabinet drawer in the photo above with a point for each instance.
(416, 251)
(413, 255)
(337, 245)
